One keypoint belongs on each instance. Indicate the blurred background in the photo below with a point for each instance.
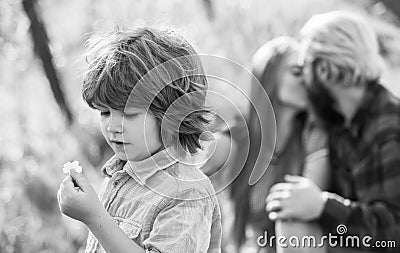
(44, 121)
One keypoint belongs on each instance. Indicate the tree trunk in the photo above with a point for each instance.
(42, 50)
(208, 6)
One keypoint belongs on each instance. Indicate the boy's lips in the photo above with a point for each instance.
(118, 142)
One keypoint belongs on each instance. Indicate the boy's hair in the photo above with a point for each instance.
(347, 43)
(150, 69)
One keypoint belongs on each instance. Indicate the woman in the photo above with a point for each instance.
(300, 146)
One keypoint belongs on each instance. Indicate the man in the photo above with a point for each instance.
(342, 69)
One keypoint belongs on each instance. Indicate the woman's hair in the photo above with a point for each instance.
(267, 65)
(267, 68)
(347, 44)
(150, 69)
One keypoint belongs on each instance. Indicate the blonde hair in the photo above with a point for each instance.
(347, 44)
(120, 59)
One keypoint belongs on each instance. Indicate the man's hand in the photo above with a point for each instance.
(79, 201)
(297, 198)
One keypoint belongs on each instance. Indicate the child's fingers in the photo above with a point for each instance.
(80, 179)
(67, 184)
(67, 178)
(58, 196)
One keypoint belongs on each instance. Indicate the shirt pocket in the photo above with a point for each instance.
(130, 228)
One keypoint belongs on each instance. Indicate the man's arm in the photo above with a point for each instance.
(379, 216)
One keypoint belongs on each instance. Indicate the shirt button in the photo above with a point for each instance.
(116, 183)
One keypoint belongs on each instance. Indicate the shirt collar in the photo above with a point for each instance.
(113, 165)
(142, 170)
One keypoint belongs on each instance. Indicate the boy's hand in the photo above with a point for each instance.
(79, 201)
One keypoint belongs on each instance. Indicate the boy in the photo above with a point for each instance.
(149, 88)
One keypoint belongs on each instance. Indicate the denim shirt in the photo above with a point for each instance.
(163, 203)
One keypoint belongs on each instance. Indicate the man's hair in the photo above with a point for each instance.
(150, 69)
(347, 44)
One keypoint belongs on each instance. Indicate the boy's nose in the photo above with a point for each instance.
(115, 124)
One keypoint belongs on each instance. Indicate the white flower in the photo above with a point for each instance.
(72, 166)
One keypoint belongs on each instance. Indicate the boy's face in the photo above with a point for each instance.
(133, 135)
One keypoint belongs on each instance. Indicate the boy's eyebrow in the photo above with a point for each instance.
(132, 110)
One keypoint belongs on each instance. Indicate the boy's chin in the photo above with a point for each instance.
(125, 157)
(121, 155)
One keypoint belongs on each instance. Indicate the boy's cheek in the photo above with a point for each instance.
(104, 133)
(103, 128)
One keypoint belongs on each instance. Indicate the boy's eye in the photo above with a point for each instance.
(130, 115)
(104, 113)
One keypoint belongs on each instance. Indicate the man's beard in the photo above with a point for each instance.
(323, 104)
